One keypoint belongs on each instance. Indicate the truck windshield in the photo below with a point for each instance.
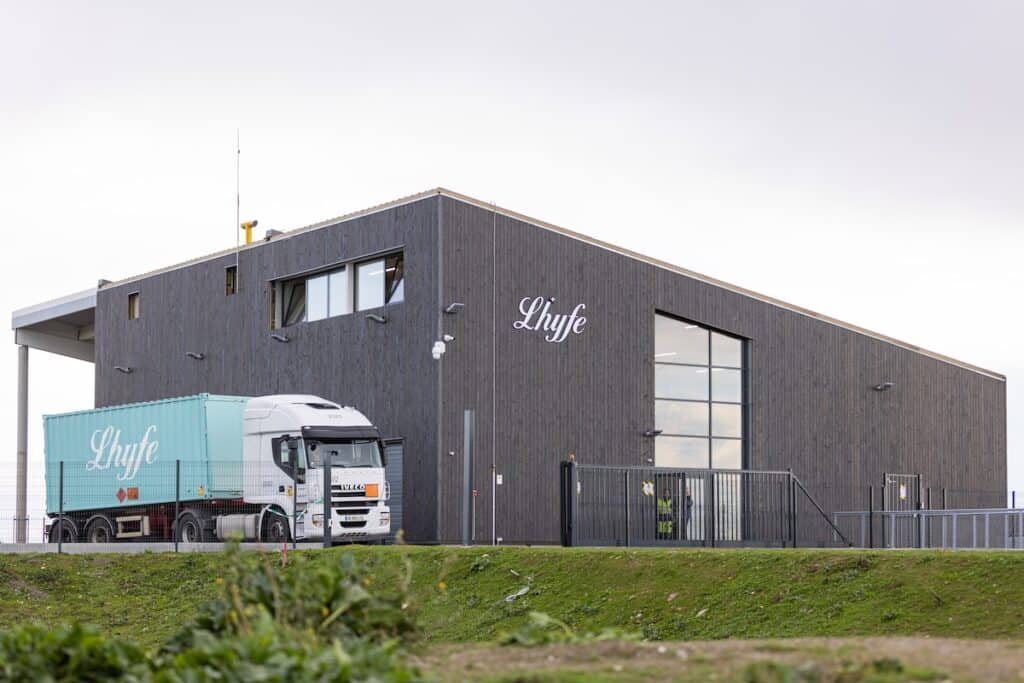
(355, 453)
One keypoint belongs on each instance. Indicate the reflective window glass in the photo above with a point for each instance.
(340, 302)
(681, 417)
(680, 381)
(679, 342)
(316, 298)
(680, 451)
(370, 285)
(293, 302)
(726, 420)
(726, 351)
(727, 454)
(726, 385)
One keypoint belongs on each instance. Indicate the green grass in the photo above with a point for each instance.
(458, 595)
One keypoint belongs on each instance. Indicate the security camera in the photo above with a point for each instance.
(448, 338)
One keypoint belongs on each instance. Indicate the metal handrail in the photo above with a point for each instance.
(821, 512)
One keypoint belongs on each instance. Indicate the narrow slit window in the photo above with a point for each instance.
(133, 306)
(230, 280)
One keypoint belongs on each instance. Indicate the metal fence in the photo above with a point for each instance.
(192, 502)
(996, 528)
(647, 506)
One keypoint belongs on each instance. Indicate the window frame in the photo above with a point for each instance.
(276, 287)
(134, 305)
(710, 436)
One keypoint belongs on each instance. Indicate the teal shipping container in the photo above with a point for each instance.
(125, 456)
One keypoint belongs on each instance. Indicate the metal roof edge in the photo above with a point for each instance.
(54, 308)
(489, 206)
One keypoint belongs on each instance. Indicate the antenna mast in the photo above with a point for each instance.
(238, 198)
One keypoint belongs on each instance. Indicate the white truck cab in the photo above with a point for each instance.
(288, 439)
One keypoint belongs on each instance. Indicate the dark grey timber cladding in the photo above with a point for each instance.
(383, 370)
(812, 403)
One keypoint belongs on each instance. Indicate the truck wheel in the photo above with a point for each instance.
(99, 530)
(190, 528)
(63, 530)
(275, 528)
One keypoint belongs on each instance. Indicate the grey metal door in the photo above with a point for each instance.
(393, 453)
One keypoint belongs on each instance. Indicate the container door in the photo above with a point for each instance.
(393, 451)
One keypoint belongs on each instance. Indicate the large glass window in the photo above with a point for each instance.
(698, 396)
(331, 293)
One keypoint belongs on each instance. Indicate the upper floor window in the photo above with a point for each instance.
(358, 286)
(230, 280)
(380, 282)
(133, 306)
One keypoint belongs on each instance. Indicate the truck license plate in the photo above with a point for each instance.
(351, 518)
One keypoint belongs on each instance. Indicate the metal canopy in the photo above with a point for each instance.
(65, 326)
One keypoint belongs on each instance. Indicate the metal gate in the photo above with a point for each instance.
(652, 506)
(901, 493)
(393, 454)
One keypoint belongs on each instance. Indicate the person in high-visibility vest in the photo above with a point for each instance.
(666, 516)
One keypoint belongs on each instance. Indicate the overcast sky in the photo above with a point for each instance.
(860, 159)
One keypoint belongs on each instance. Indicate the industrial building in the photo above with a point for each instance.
(562, 347)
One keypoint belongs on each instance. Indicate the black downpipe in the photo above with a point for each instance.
(295, 496)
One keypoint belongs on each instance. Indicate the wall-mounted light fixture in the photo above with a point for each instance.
(382, 319)
(884, 386)
(652, 432)
(283, 338)
(453, 308)
(195, 356)
(123, 368)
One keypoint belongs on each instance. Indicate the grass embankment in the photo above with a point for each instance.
(459, 595)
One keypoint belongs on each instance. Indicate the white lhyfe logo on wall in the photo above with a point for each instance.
(537, 317)
(109, 451)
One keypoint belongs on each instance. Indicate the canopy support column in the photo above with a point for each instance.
(21, 509)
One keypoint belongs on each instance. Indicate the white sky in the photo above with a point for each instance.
(859, 159)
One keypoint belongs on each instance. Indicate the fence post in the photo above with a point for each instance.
(328, 490)
(871, 516)
(885, 480)
(714, 507)
(625, 502)
(177, 502)
(792, 506)
(60, 516)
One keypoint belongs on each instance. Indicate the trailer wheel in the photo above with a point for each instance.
(275, 527)
(63, 530)
(190, 528)
(99, 529)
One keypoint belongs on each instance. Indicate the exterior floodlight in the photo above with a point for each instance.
(123, 368)
(195, 356)
(453, 308)
(884, 386)
(382, 319)
(652, 432)
(283, 338)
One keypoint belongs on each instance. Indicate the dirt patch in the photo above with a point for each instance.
(934, 659)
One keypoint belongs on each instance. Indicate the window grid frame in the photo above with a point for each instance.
(710, 437)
